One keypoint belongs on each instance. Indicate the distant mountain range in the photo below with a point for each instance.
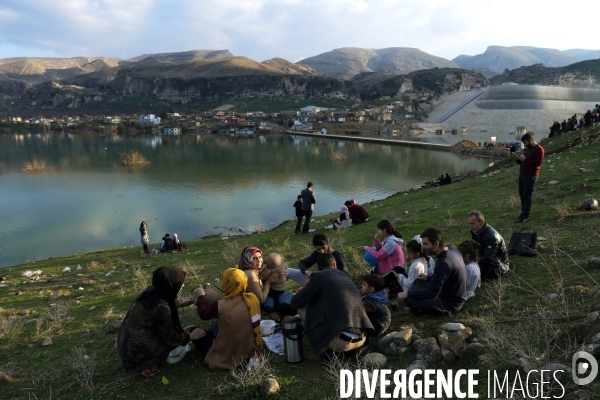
(496, 59)
(347, 62)
(344, 63)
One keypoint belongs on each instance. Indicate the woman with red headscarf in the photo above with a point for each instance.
(251, 262)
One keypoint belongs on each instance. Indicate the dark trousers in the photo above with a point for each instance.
(492, 271)
(307, 216)
(433, 306)
(526, 184)
(146, 249)
(357, 221)
(299, 223)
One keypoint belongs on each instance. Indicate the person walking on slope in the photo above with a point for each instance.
(530, 162)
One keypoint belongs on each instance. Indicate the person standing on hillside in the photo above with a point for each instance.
(299, 213)
(530, 162)
(308, 205)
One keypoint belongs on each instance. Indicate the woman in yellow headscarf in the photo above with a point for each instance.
(238, 319)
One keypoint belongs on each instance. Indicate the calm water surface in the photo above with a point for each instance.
(194, 186)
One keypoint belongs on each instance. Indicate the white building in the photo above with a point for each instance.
(149, 119)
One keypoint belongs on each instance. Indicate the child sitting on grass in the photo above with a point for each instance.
(375, 303)
(418, 265)
(277, 298)
(470, 251)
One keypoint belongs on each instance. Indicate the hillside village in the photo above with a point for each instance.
(384, 117)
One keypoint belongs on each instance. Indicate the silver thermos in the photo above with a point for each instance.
(293, 331)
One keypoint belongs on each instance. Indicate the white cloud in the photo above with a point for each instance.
(291, 29)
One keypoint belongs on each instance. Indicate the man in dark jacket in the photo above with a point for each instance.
(300, 275)
(530, 162)
(357, 212)
(308, 205)
(493, 255)
(331, 307)
(447, 290)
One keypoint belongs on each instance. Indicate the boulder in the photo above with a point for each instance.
(269, 386)
(452, 327)
(593, 349)
(593, 263)
(417, 364)
(586, 328)
(596, 338)
(428, 350)
(452, 341)
(472, 351)
(589, 205)
(375, 360)
(448, 355)
(395, 343)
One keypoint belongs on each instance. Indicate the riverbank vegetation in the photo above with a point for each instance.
(134, 159)
(58, 329)
(36, 165)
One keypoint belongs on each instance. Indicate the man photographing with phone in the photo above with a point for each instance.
(530, 162)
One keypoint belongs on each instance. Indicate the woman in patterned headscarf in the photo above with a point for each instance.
(151, 328)
(251, 262)
(238, 319)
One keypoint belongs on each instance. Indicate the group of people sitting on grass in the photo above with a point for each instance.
(352, 214)
(167, 244)
(339, 314)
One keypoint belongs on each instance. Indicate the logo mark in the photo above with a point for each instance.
(580, 368)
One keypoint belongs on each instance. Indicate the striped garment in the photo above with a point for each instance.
(145, 237)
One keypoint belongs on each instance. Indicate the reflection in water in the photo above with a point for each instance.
(194, 183)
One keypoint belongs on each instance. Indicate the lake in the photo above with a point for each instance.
(195, 185)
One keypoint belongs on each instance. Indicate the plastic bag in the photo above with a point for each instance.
(254, 362)
(178, 353)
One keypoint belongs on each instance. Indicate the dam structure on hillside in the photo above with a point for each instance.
(534, 97)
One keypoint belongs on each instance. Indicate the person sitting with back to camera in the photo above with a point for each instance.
(167, 244)
(375, 302)
(277, 298)
(343, 221)
(301, 274)
(387, 254)
(469, 250)
(357, 212)
(331, 308)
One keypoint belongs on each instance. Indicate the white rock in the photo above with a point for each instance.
(47, 342)
(66, 269)
(553, 183)
(452, 327)
(375, 360)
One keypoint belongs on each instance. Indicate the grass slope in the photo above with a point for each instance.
(512, 318)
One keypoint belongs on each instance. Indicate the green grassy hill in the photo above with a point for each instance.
(80, 311)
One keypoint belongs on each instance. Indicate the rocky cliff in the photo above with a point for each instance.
(442, 80)
(582, 74)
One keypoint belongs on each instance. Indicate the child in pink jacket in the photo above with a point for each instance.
(387, 252)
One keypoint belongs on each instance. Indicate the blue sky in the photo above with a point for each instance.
(291, 29)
